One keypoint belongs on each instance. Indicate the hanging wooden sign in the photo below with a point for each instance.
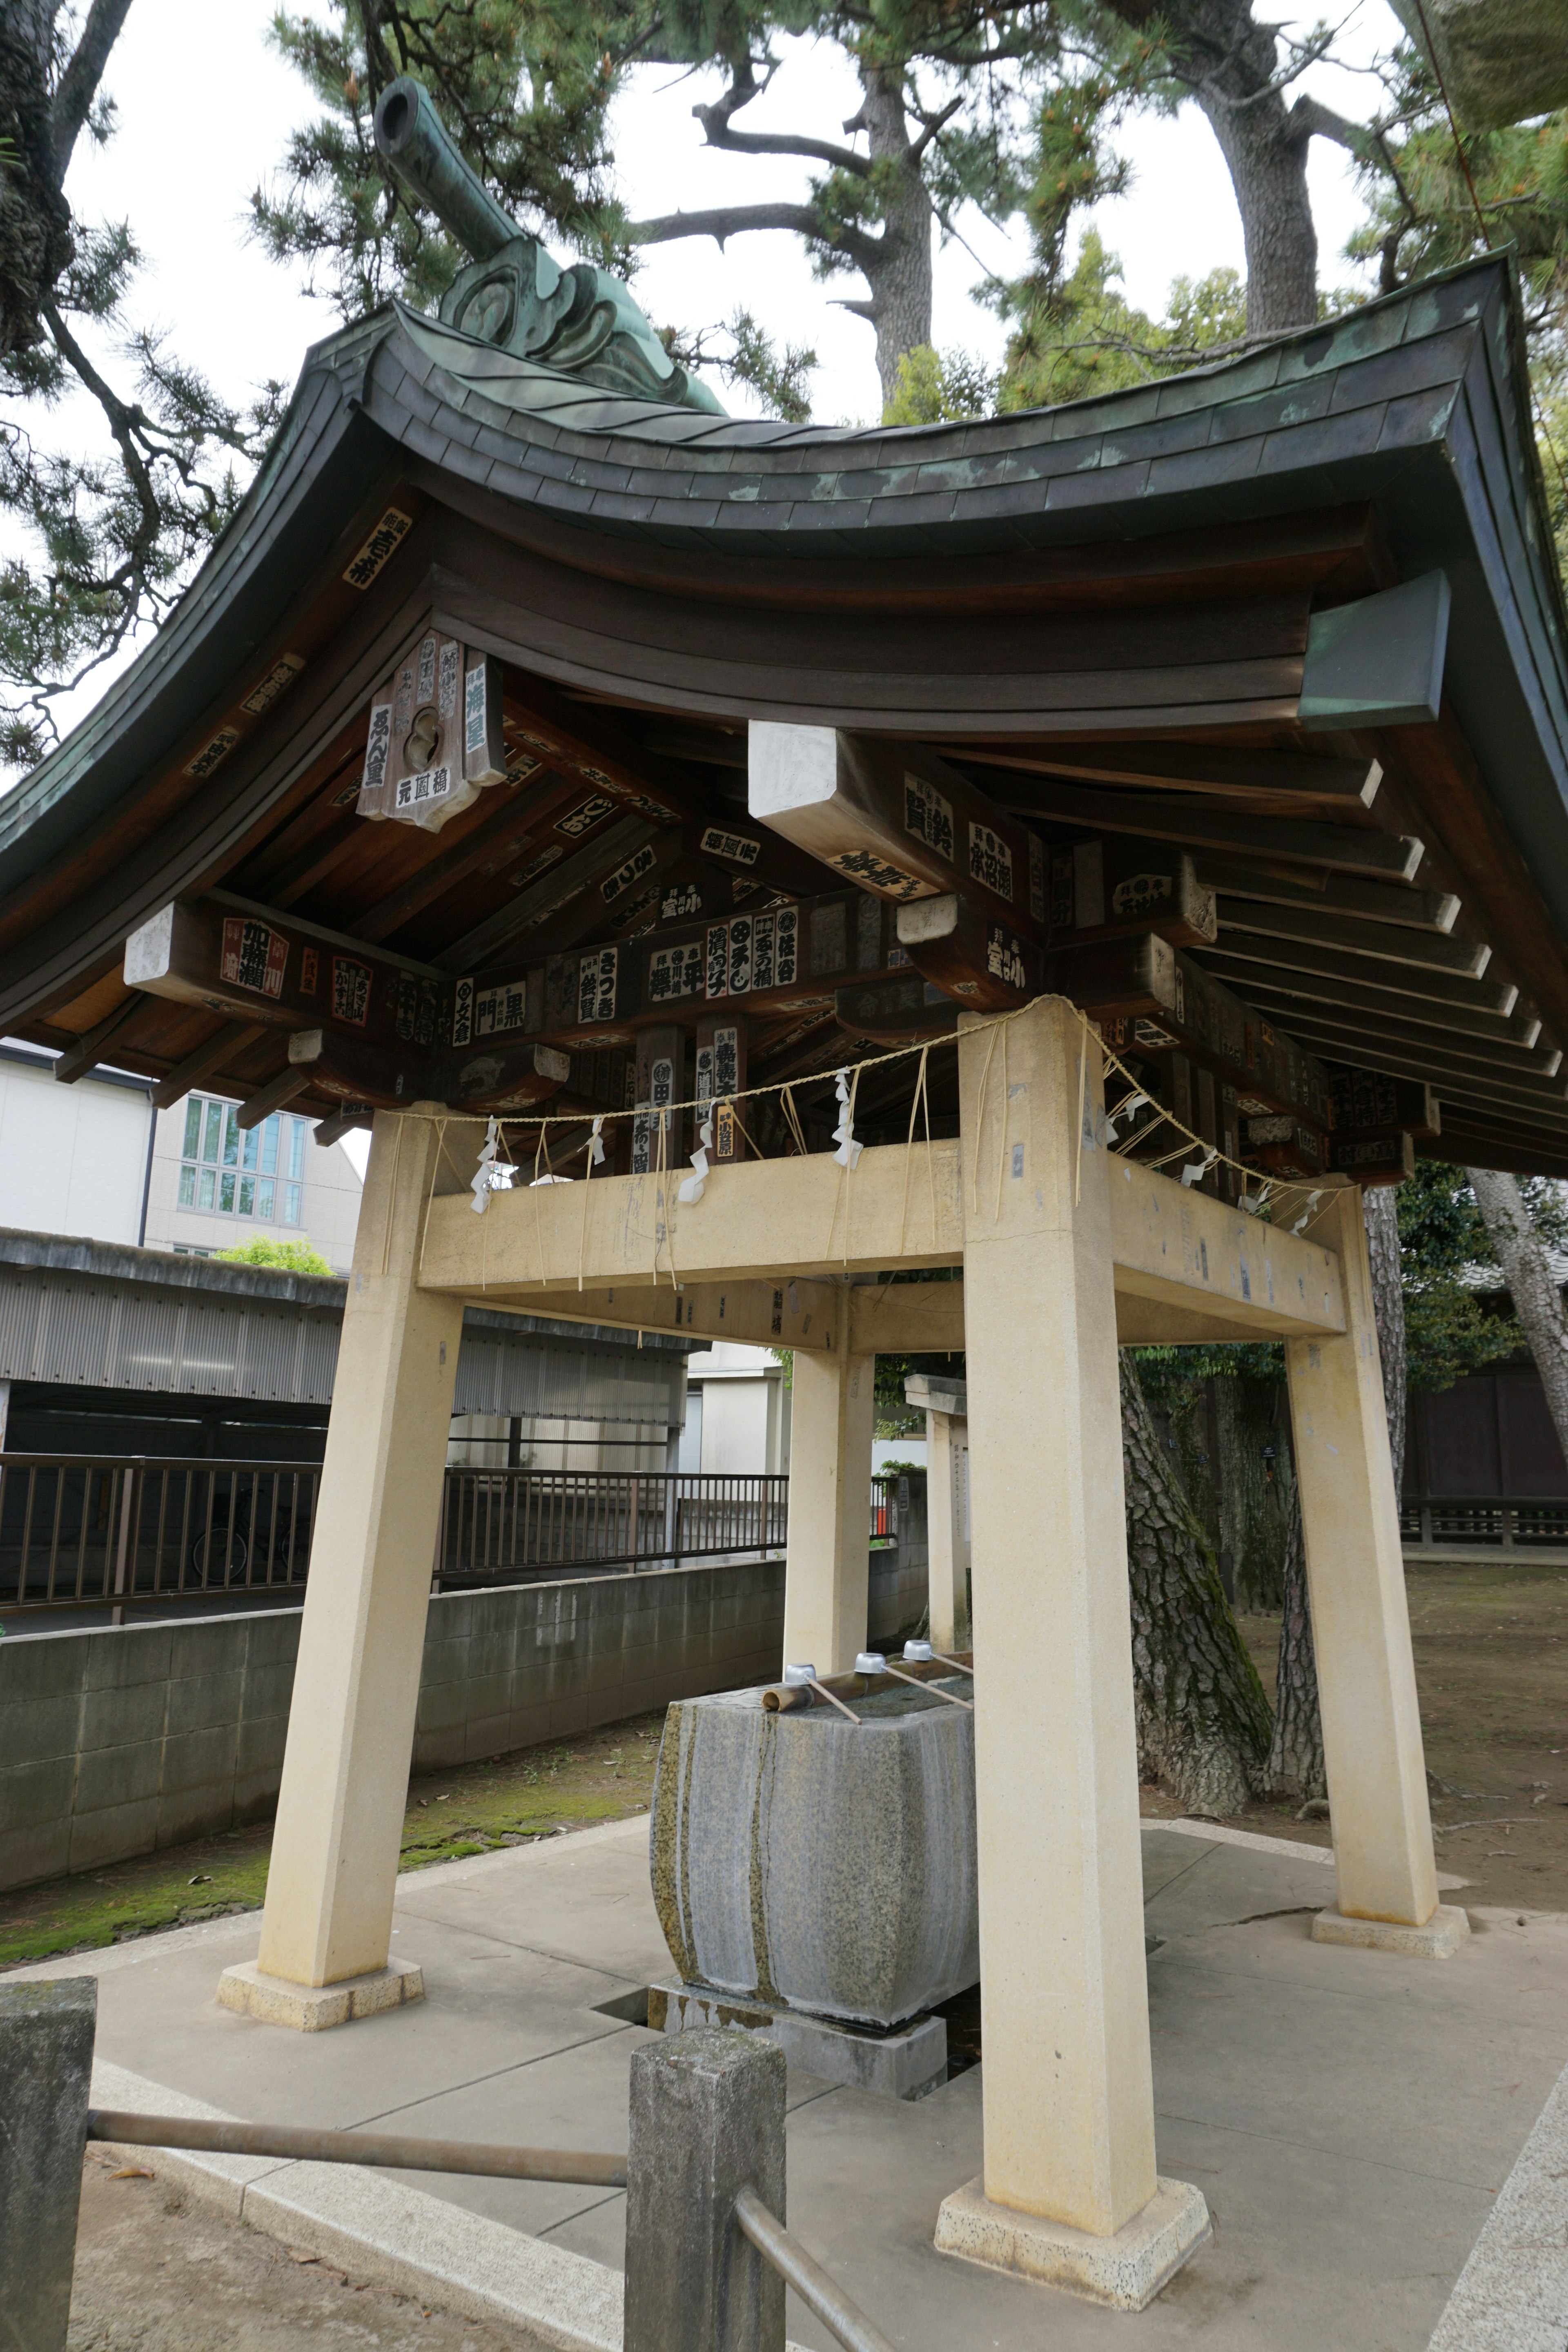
(434, 738)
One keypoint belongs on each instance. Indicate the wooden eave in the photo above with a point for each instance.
(1138, 568)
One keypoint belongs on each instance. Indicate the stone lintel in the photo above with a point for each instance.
(309, 2008)
(1124, 2271)
(1438, 1939)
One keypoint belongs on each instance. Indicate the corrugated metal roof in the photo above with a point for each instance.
(95, 1315)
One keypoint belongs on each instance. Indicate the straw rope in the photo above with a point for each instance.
(1270, 1190)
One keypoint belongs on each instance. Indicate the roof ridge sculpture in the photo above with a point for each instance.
(514, 294)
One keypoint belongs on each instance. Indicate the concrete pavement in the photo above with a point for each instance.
(1349, 2115)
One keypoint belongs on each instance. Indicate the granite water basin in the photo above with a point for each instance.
(814, 1864)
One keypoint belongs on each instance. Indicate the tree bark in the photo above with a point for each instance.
(36, 243)
(1202, 1714)
(1295, 1763)
(1381, 1211)
(1230, 63)
(1537, 1301)
(1256, 1476)
(900, 271)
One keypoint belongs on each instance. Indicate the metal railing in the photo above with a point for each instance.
(395, 2150)
(398, 2151)
(537, 1522)
(1508, 1522)
(76, 1529)
(81, 1530)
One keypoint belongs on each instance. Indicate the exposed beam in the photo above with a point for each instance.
(561, 880)
(78, 1059)
(339, 1123)
(901, 1207)
(1342, 894)
(1309, 783)
(1272, 953)
(1518, 1098)
(788, 1313)
(511, 827)
(1305, 988)
(1343, 849)
(1389, 942)
(599, 751)
(231, 1039)
(273, 1096)
(906, 1318)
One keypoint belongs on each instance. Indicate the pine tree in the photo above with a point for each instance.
(104, 538)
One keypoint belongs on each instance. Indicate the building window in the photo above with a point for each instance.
(238, 1170)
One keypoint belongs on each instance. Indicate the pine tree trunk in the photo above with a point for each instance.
(1295, 1764)
(1381, 1213)
(900, 278)
(1203, 1717)
(1256, 1478)
(1231, 61)
(1537, 1301)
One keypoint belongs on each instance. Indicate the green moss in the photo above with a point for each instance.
(602, 1776)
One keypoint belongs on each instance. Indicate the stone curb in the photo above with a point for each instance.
(1512, 2294)
(1296, 1848)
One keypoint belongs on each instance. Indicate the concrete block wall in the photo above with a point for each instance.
(122, 1740)
(118, 1741)
(503, 1669)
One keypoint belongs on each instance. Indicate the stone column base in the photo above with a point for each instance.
(273, 2001)
(1125, 2270)
(1438, 1939)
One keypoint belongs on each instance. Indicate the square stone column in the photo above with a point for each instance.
(946, 1472)
(325, 1934)
(1070, 2193)
(1387, 1892)
(828, 1555)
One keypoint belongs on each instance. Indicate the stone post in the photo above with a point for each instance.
(827, 1555)
(1070, 2193)
(46, 2077)
(1387, 1883)
(325, 1936)
(707, 2121)
(946, 1405)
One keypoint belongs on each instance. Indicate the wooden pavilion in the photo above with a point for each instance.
(533, 752)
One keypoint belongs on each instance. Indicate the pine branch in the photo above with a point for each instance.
(79, 83)
(723, 221)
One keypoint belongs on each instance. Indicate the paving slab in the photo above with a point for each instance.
(1351, 2116)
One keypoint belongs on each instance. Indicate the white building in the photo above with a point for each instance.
(94, 1158)
(737, 1412)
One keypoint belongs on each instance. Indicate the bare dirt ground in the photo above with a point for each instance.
(1491, 1667)
(157, 2271)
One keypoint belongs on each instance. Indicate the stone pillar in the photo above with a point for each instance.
(946, 1438)
(707, 2121)
(325, 1937)
(1387, 1883)
(45, 2076)
(826, 1559)
(1070, 2193)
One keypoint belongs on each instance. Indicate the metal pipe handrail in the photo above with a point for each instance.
(393, 2149)
(821, 2294)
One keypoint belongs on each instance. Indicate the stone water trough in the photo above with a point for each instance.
(814, 1876)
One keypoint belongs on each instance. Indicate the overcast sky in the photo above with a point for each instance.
(206, 106)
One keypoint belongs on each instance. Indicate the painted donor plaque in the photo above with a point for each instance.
(254, 955)
(1102, 889)
(263, 969)
(435, 740)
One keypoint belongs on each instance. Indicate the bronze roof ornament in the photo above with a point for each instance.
(513, 294)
